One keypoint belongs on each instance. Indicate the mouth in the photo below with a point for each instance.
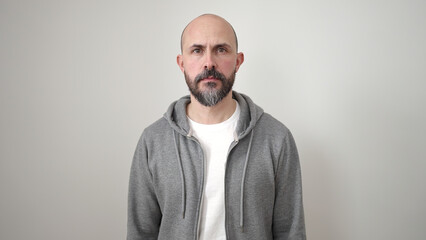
(209, 78)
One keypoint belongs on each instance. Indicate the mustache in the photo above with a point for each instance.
(210, 73)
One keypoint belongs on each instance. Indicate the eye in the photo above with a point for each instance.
(196, 50)
(221, 50)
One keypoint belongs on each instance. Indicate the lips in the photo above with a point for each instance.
(209, 79)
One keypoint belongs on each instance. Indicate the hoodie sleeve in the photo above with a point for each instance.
(144, 214)
(288, 223)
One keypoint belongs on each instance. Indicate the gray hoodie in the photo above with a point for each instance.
(263, 191)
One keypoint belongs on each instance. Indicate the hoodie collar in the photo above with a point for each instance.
(250, 114)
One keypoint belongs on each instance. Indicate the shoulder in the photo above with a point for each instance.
(157, 127)
(156, 132)
(274, 133)
(271, 126)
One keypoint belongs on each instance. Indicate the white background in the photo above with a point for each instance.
(80, 80)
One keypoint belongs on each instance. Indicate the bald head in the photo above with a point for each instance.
(208, 21)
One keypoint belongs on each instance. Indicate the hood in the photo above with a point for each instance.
(250, 114)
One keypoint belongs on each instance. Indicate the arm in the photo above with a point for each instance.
(144, 214)
(288, 223)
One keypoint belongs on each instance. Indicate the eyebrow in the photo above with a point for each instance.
(223, 45)
(195, 45)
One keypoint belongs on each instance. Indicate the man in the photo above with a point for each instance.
(215, 166)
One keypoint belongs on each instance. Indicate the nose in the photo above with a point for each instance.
(210, 61)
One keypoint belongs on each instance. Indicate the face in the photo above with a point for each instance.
(209, 59)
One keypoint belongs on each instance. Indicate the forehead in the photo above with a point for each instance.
(208, 30)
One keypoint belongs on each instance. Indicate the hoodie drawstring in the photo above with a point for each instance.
(181, 175)
(242, 182)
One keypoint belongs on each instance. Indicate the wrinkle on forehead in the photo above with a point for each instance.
(208, 20)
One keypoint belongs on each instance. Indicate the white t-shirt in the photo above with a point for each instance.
(215, 139)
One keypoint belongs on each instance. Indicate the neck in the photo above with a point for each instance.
(211, 115)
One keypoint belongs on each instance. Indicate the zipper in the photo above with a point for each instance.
(202, 188)
(233, 144)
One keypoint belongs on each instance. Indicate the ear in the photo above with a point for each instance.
(179, 60)
(240, 60)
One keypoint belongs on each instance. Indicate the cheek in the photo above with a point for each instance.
(225, 65)
(193, 68)
(228, 65)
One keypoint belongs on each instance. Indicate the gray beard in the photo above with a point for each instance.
(211, 96)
